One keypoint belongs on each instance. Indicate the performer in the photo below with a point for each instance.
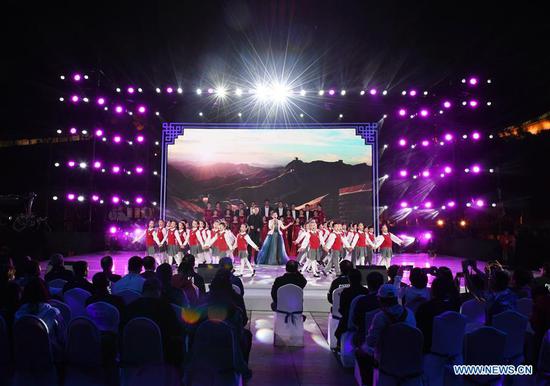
(242, 241)
(385, 243)
(287, 233)
(254, 222)
(311, 244)
(336, 243)
(222, 240)
(362, 244)
(206, 234)
(228, 216)
(173, 242)
(296, 231)
(235, 225)
(293, 212)
(266, 209)
(193, 238)
(264, 231)
(149, 239)
(273, 249)
(208, 212)
(160, 238)
(301, 256)
(182, 238)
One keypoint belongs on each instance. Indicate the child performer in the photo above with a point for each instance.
(301, 256)
(336, 242)
(242, 241)
(194, 239)
(149, 239)
(385, 243)
(222, 241)
(173, 242)
(312, 243)
(200, 255)
(361, 245)
(160, 238)
(182, 239)
(206, 236)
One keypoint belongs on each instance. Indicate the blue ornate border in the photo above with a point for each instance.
(367, 131)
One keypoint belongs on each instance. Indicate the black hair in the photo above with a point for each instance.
(292, 266)
(354, 277)
(500, 280)
(80, 268)
(374, 281)
(106, 263)
(135, 264)
(418, 278)
(149, 263)
(345, 266)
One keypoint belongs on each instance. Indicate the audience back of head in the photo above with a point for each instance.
(80, 269)
(292, 266)
(354, 277)
(345, 267)
(374, 281)
(149, 263)
(418, 278)
(135, 264)
(107, 263)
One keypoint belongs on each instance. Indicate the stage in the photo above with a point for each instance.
(258, 288)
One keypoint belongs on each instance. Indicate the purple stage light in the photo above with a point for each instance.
(427, 236)
(447, 104)
(97, 165)
(425, 143)
(476, 135)
(99, 133)
(451, 204)
(119, 109)
(448, 137)
(331, 92)
(75, 98)
(404, 204)
(426, 173)
(403, 173)
(473, 103)
(112, 229)
(412, 93)
(115, 199)
(95, 197)
(473, 81)
(428, 204)
(402, 112)
(169, 90)
(480, 203)
(141, 109)
(117, 139)
(402, 142)
(140, 138)
(131, 90)
(77, 77)
(139, 200)
(447, 169)
(101, 101)
(115, 169)
(139, 169)
(373, 91)
(424, 113)
(73, 130)
(71, 164)
(476, 169)
(71, 196)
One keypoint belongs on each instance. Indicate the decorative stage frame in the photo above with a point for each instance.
(368, 131)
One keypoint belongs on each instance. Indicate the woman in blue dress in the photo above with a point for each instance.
(273, 249)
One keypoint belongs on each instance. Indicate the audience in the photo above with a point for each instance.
(348, 294)
(291, 276)
(102, 293)
(149, 266)
(10, 293)
(107, 269)
(186, 271)
(500, 297)
(31, 271)
(170, 293)
(522, 280)
(151, 305)
(227, 264)
(80, 269)
(418, 292)
(366, 304)
(132, 280)
(544, 279)
(58, 270)
(392, 273)
(341, 280)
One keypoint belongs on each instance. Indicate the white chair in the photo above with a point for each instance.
(56, 286)
(334, 316)
(215, 356)
(84, 360)
(76, 300)
(447, 342)
(474, 311)
(63, 308)
(236, 288)
(484, 346)
(288, 326)
(347, 356)
(33, 356)
(543, 367)
(105, 316)
(142, 357)
(513, 324)
(400, 356)
(525, 307)
(129, 295)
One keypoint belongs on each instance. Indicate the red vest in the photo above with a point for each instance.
(337, 245)
(220, 242)
(242, 245)
(387, 241)
(193, 240)
(160, 234)
(362, 241)
(149, 240)
(371, 237)
(171, 237)
(314, 241)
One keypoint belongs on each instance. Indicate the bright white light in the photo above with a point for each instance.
(198, 91)
(82, 165)
(58, 131)
(61, 99)
(301, 115)
(117, 89)
(157, 113)
(140, 89)
(238, 92)
(362, 92)
(54, 198)
(155, 173)
(240, 115)
(489, 103)
(220, 92)
(200, 114)
(385, 92)
(80, 198)
(303, 92)
(403, 92)
(341, 116)
(62, 77)
(343, 92)
(321, 92)
(85, 100)
(157, 90)
(179, 90)
(279, 93)
(84, 132)
(56, 164)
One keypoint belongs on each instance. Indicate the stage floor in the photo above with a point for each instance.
(258, 288)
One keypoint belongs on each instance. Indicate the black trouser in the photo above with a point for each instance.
(254, 236)
(366, 363)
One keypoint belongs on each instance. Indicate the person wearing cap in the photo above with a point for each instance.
(58, 270)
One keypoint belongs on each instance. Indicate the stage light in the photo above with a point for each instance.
(238, 92)
(56, 164)
(373, 91)
(104, 139)
(476, 169)
(480, 203)
(82, 165)
(112, 229)
(402, 112)
(464, 136)
(156, 143)
(115, 199)
(140, 138)
(491, 170)
(220, 92)
(77, 77)
(463, 223)
(169, 90)
(71, 196)
(210, 90)
(139, 89)
(139, 169)
(489, 81)
(447, 104)
(117, 139)
(426, 173)
(62, 77)
(95, 197)
(54, 198)
(71, 164)
(489, 103)
(440, 223)
(425, 93)
(119, 109)
(130, 90)
(240, 115)
(402, 142)
(403, 92)
(473, 103)
(494, 205)
(341, 116)
(447, 169)
(154, 203)
(331, 92)
(75, 98)
(80, 198)
(141, 109)
(200, 114)
(97, 164)
(448, 137)
(139, 200)
(385, 92)
(467, 170)
(85, 99)
(61, 99)
(362, 92)
(472, 81)
(157, 113)
(155, 173)
(403, 173)
(100, 101)
(321, 92)
(424, 113)
(301, 115)
(198, 91)
(117, 89)
(451, 204)
(412, 93)
(468, 204)
(343, 92)
(428, 205)
(404, 204)
(440, 111)
(442, 175)
(115, 169)
(385, 116)
(476, 135)
(414, 177)
(59, 131)
(130, 113)
(413, 146)
(428, 236)
(425, 143)
(84, 132)
(157, 90)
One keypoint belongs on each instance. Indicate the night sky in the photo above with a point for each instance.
(347, 43)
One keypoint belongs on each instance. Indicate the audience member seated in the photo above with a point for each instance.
(540, 318)
(10, 293)
(35, 302)
(291, 276)
(341, 280)
(227, 264)
(500, 298)
(149, 266)
(170, 293)
(348, 294)
(367, 304)
(418, 292)
(222, 303)
(392, 273)
(101, 293)
(58, 270)
(451, 286)
(107, 269)
(132, 280)
(31, 271)
(186, 271)
(522, 279)
(440, 302)
(544, 279)
(80, 269)
(152, 306)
